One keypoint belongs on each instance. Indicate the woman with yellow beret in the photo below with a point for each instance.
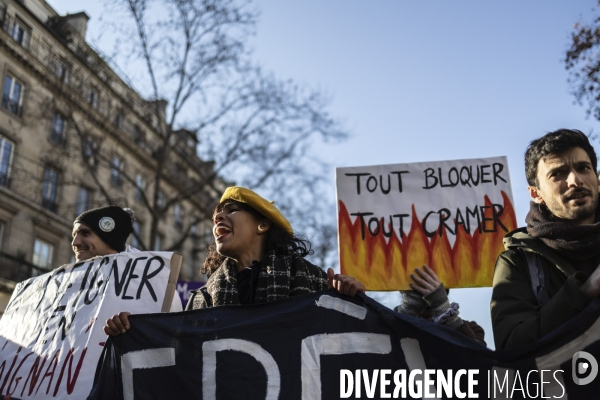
(256, 258)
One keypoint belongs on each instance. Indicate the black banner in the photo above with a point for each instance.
(329, 346)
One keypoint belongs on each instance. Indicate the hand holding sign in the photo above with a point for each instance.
(425, 282)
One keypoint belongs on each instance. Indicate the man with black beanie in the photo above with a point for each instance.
(101, 231)
(550, 270)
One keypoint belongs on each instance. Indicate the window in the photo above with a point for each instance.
(92, 97)
(118, 121)
(136, 229)
(88, 147)
(116, 167)
(83, 200)
(140, 186)
(191, 143)
(6, 153)
(160, 201)
(62, 71)
(12, 98)
(57, 132)
(89, 151)
(178, 216)
(49, 189)
(42, 254)
(3, 16)
(138, 136)
(20, 33)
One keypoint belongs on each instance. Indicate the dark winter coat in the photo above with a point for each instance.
(518, 318)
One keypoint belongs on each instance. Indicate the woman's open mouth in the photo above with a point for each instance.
(221, 231)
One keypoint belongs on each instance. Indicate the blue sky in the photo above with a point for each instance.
(426, 80)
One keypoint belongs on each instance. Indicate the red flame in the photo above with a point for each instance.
(382, 264)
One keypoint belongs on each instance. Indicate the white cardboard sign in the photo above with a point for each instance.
(450, 215)
(51, 334)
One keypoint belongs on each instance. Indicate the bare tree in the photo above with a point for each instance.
(583, 63)
(256, 130)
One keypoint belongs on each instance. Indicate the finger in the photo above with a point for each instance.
(117, 323)
(124, 318)
(110, 328)
(330, 277)
(340, 281)
(431, 273)
(355, 287)
(350, 289)
(360, 287)
(347, 286)
(418, 289)
(425, 275)
(418, 280)
(350, 286)
(422, 284)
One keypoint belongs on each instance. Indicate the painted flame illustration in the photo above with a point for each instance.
(387, 265)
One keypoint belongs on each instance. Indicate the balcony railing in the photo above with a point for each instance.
(49, 205)
(16, 269)
(58, 137)
(4, 180)
(11, 106)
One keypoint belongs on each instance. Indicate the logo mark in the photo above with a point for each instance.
(584, 363)
(107, 224)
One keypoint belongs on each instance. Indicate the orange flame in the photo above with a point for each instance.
(386, 264)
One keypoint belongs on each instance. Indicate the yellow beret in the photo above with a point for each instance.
(265, 207)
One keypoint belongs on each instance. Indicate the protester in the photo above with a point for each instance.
(101, 231)
(550, 270)
(428, 300)
(256, 258)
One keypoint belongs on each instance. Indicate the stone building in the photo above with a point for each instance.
(74, 136)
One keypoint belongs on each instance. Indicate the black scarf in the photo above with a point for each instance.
(576, 243)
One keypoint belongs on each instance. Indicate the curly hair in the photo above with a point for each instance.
(555, 142)
(277, 241)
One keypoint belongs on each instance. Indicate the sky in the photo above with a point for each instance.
(429, 80)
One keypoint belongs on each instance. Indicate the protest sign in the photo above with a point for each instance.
(51, 334)
(450, 215)
(329, 346)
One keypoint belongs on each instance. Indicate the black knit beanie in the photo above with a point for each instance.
(112, 224)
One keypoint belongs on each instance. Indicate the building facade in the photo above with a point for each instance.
(74, 136)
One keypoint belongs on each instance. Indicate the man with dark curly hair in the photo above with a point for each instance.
(550, 270)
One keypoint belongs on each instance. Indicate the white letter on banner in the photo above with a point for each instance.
(346, 377)
(334, 344)
(151, 358)
(209, 365)
(343, 306)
